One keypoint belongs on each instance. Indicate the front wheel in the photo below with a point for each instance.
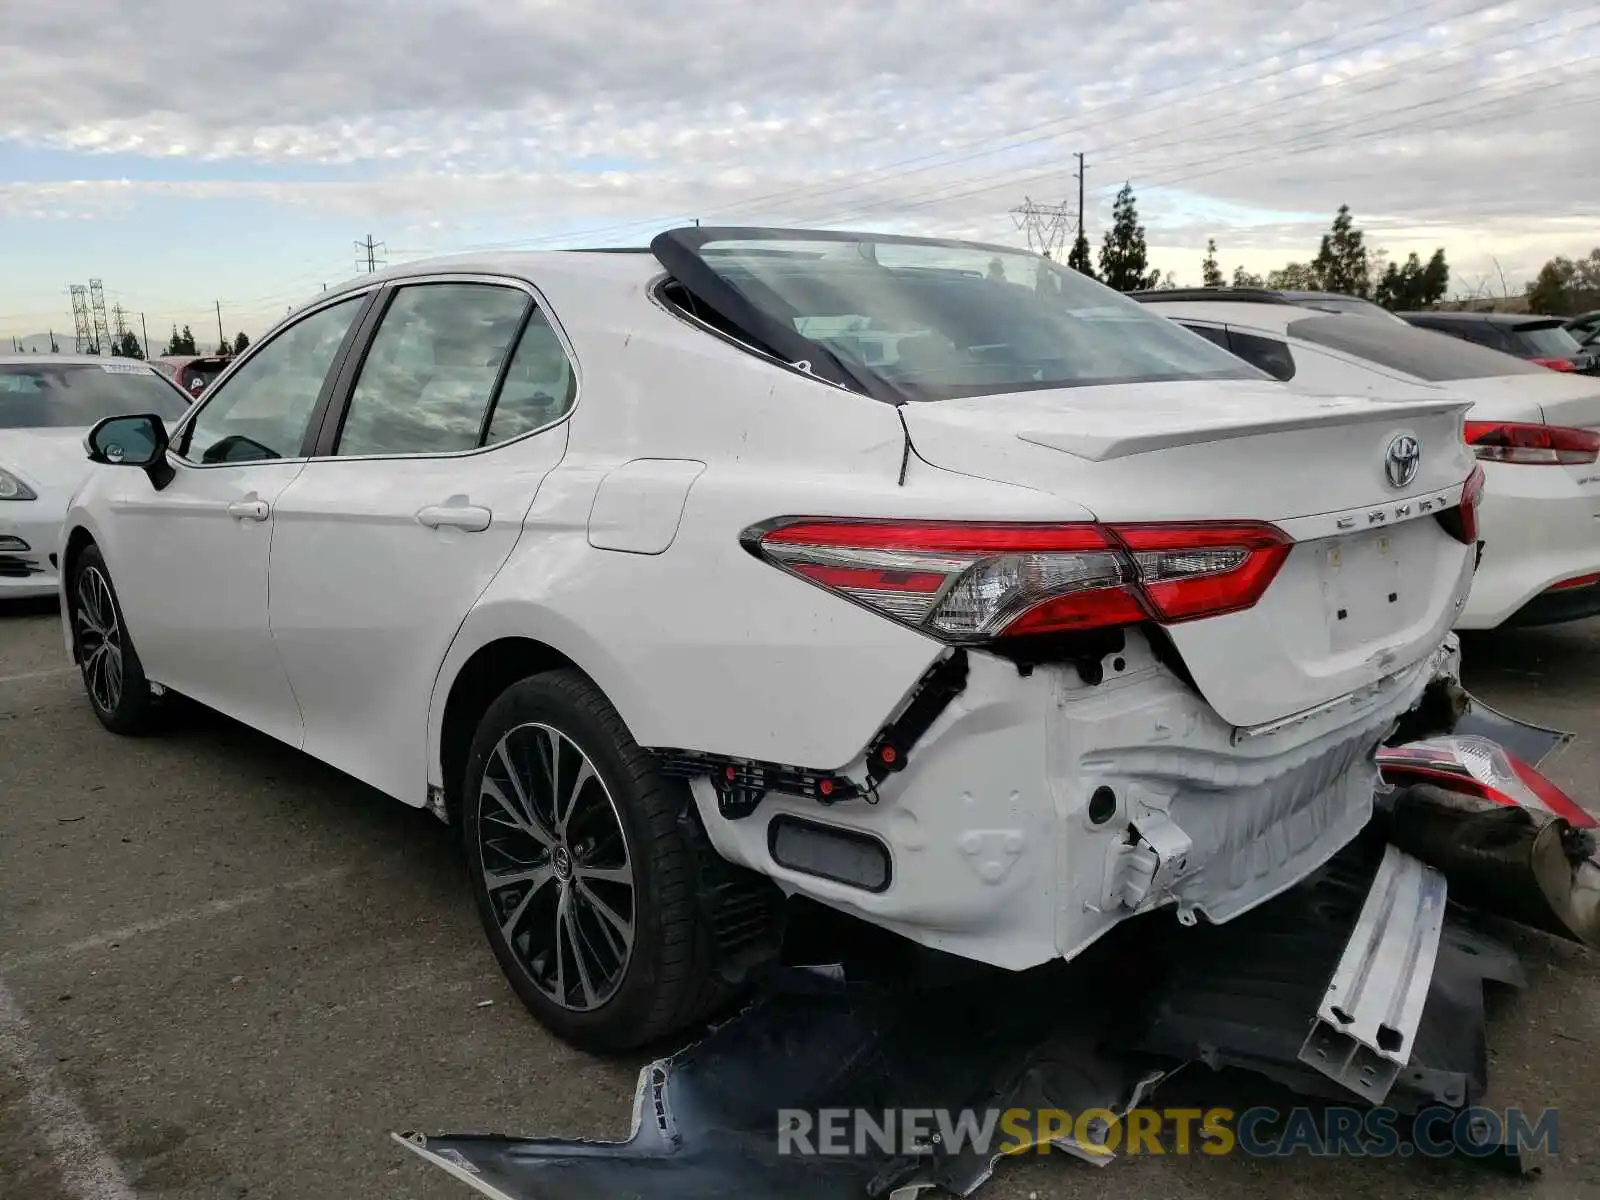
(581, 873)
(113, 676)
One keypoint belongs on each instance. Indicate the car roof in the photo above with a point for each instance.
(1274, 315)
(70, 360)
(1493, 318)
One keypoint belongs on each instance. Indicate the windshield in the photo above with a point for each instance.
(1420, 353)
(936, 320)
(68, 395)
(1545, 341)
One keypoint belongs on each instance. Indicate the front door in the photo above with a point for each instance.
(190, 560)
(383, 544)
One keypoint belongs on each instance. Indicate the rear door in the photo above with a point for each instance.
(416, 498)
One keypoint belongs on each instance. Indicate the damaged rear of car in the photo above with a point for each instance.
(1176, 613)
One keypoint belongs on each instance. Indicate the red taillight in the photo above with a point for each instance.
(1465, 527)
(1581, 581)
(1532, 445)
(1556, 364)
(975, 581)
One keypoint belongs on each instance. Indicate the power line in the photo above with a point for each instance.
(1061, 126)
(1043, 177)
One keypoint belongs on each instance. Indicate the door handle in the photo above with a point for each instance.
(469, 517)
(249, 510)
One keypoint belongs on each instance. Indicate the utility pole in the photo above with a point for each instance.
(54, 348)
(146, 332)
(222, 338)
(371, 247)
(1080, 197)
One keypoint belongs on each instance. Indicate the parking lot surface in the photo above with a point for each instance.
(228, 972)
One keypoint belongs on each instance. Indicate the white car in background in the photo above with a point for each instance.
(992, 609)
(1536, 432)
(48, 402)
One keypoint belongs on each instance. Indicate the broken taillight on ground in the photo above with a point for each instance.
(978, 581)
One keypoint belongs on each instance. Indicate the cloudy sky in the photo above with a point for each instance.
(187, 153)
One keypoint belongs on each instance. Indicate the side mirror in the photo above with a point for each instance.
(137, 441)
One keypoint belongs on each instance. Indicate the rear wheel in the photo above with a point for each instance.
(583, 878)
(113, 676)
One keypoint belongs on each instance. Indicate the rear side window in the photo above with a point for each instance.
(427, 381)
(1545, 341)
(1420, 353)
(539, 386)
(1269, 354)
(1217, 337)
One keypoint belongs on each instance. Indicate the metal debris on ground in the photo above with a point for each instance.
(1465, 824)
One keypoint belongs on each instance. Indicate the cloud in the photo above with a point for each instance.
(1233, 119)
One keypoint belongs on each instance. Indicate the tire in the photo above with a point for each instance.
(622, 820)
(113, 676)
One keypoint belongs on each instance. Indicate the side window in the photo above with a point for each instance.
(263, 411)
(1210, 332)
(430, 374)
(539, 387)
(1267, 354)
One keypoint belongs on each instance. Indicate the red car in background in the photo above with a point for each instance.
(192, 372)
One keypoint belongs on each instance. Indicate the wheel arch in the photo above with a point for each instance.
(496, 646)
(79, 539)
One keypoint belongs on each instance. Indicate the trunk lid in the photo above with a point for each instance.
(1373, 581)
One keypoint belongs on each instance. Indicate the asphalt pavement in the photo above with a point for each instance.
(228, 972)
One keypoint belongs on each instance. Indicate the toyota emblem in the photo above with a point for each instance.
(1402, 459)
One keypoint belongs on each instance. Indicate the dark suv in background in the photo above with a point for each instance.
(1544, 340)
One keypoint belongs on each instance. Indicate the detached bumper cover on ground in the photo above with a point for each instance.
(1261, 993)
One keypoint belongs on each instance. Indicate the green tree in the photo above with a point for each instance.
(240, 343)
(1295, 277)
(1566, 286)
(1124, 257)
(181, 343)
(1341, 264)
(127, 346)
(1243, 278)
(55, 346)
(1210, 273)
(1412, 285)
(1080, 258)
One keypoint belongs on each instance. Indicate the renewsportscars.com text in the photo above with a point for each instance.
(1261, 1131)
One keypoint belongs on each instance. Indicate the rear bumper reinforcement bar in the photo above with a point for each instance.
(1369, 1014)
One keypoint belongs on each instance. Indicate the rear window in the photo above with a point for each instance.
(1422, 353)
(1545, 341)
(936, 320)
(196, 377)
(66, 395)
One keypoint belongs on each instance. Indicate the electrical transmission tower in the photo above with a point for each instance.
(1046, 225)
(371, 262)
(97, 306)
(82, 330)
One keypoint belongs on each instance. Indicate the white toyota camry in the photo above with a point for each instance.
(1537, 432)
(47, 404)
(925, 579)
